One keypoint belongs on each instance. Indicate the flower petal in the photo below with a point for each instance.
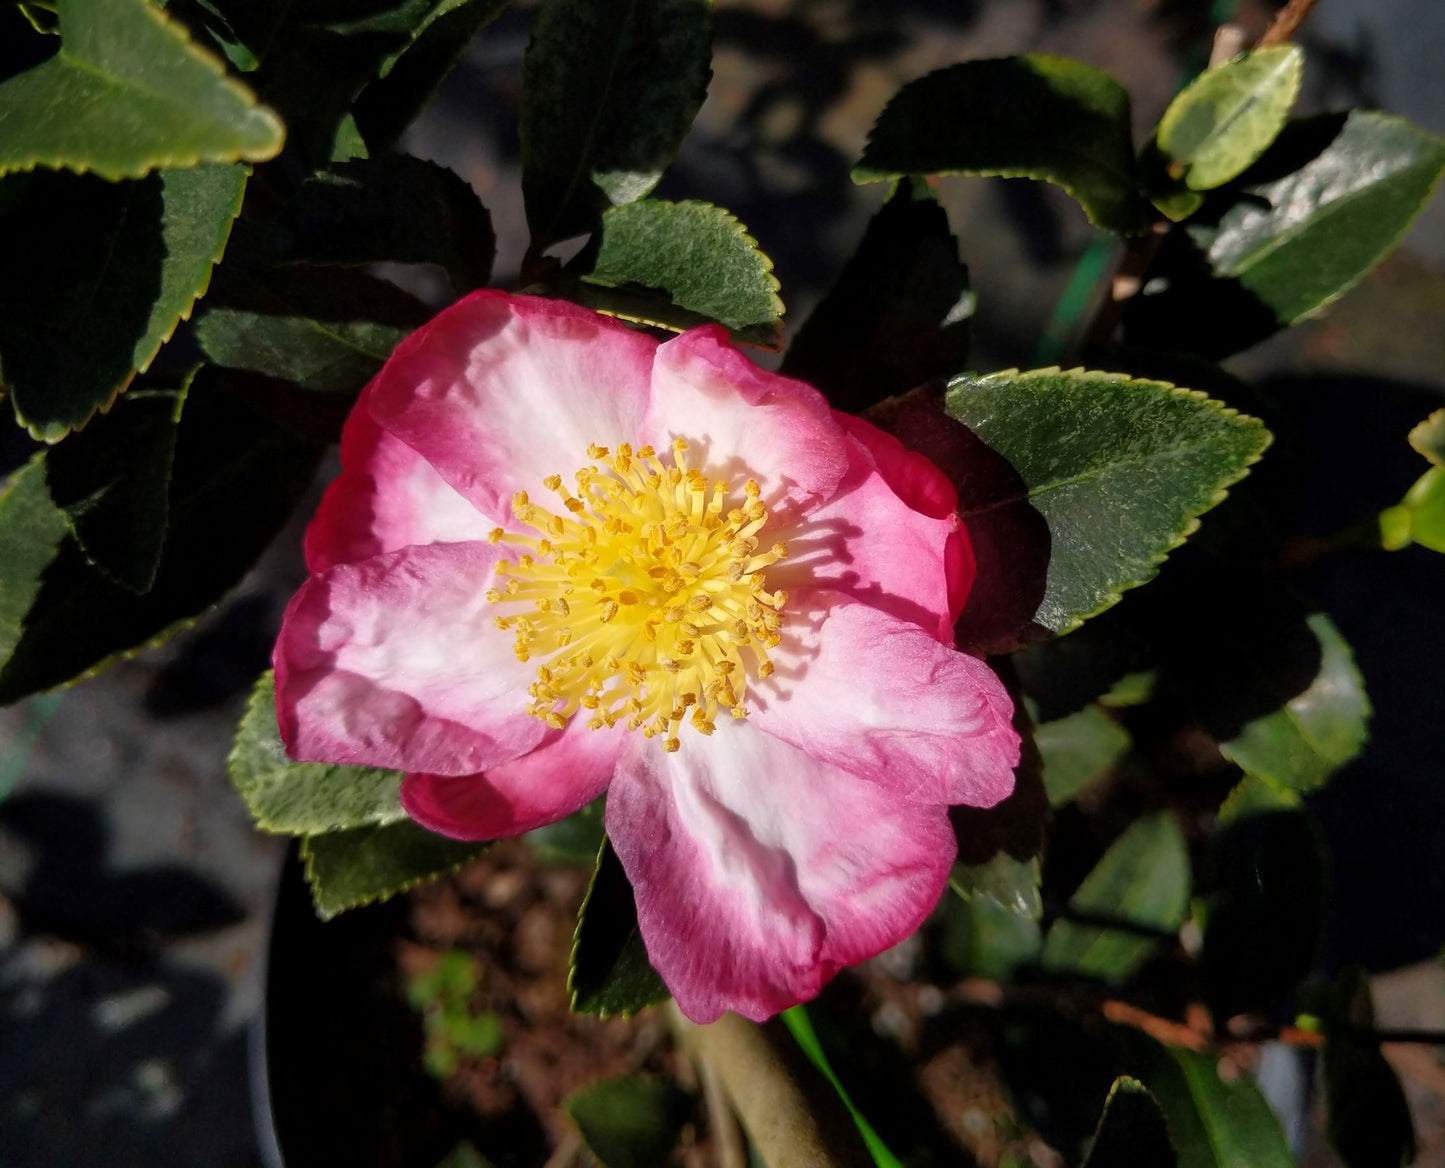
(760, 871)
(862, 690)
(499, 391)
(570, 769)
(741, 422)
(869, 543)
(386, 497)
(395, 662)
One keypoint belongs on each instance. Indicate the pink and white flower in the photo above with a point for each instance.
(735, 618)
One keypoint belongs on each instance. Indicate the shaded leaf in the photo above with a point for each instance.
(1325, 203)
(464, 1155)
(1140, 888)
(409, 75)
(573, 840)
(1213, 1123)
(129, 93)
(629, 1122)
(1009, 883)
(237, 476)
(610, 973)
(1312, 733)
(1078, 484)
(1228, 116)
(1369, 1117)
(347, 869)
(1132, 1132)
(899, 314)
(112, 480)
(303, 798)
(1255, 796)
(1030, 116)
(395, 209)
(78, 322)
(1078, 749)
(32, 529)
(609, 88)
(698, 255)
(1264, 884)
(981, 938)
(1429, 438)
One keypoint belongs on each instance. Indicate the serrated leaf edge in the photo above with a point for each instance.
(328, 914)
(186, 159)
(1191, 525)
(602, 1013)
(1416, 437)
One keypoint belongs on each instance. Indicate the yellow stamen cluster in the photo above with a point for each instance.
(643, 589)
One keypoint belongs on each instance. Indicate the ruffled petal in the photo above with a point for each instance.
(859, 689)
(499, 391)
(869, 543)
(387, 497)
(759, 871)
(565, 773)
(742, 422)
(395, 662)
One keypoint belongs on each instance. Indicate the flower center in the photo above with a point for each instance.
(643, 592)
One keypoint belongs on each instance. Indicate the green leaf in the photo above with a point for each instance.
(574, 840)
(1132, 1132)
(1264, 884)
(32, 529)
(237, 476)
(464, 1155)
(43, 18)
(129, 93)
(327, 330)
(1142, 883)
(1369, 1117)
(1328, 201)
(112, 480)
(1031, 116)
(1428, 438)
(1088, 481)
(610, 973)
(698, 256)
(899, 314)
(347, 869)
(1228, 116)
(411, 74)
(609, 88)
(1254, 796)
(1420, 517)
(1009, 883)
(303, 798)
(78, 322)
(1214, 1123)
(1077, 750)
(395, 209)
(981, 938)
(629, 1122)
(1312, 733)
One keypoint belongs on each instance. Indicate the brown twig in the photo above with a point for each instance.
(1286, 23)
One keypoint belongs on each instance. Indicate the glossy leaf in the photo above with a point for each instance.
(981, 938)
(1142, 883)
(1009, 883)
(137, 255)
(1087, 481)
(1031, 116)
(1214, 1122)
(1077, 750)
(1420, 517)
(1228, 116)
(698, 256)
(1325, 203)
(629, 1122)
(1429, 438)
(574, 840)
(1313, 733)
(1132, 1132)
(1264, 886)
(112, 480)
(347, 869)
(395, 209)
(324, 330)
(609, 88)
(237, 476)
(610, 972)
(899, 314)
(1369, 1116)
(410, 74)
(303, 798)
(126, 94)
(32, 529)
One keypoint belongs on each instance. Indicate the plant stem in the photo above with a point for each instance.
(1286, 23)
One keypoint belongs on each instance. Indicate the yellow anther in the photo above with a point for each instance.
(671, 745)
(553, 482)
(699, 603)
(495, 535)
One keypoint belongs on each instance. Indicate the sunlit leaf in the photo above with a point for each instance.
(347, 869)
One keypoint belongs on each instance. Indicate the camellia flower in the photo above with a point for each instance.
(564, 558)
